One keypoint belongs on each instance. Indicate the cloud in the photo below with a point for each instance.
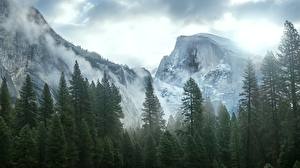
(140, 32)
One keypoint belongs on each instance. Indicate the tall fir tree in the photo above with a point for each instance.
(42, 137)
(127, 151)
(5, 144)
(192, 106)
(249, 110)
(56, 144)
(27, 109)
(65, 110)
(223, 135)
(25, 149)
(85, 146)
(271, 99)
(234, 143)
(5, 102)
(289, 56)
(168, 151)
(152, 115)
(46, 105)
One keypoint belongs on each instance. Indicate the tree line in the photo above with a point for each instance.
(82, 128)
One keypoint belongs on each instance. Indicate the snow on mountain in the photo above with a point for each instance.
(215, 63)
(28, 45)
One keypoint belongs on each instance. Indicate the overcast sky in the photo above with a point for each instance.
(141, 32)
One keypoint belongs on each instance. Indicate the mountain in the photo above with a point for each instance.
(215, 63)
(28, 45)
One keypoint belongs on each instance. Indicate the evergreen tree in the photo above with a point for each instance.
(109, 111)
(138, 156)
(5, 103)
(234, 143)
(209, 133)
(224, 135)
(42, 145)
(26, 151)
(191, 106)
(249, 109)
(5, 144)
(107, 159)
(56, 144)
(85, 146)
(151, 160)
(194, 154)
(152, 115)
(289, 56)
(169, 154)
(27, 105)
(65, 110)
(127, 151)
(271, 90)
(46, 103)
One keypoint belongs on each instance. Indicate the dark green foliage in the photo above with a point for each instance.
(5, 144)
(56, 145)
(194, 153)
(297, 164)
(223, 135)
(42, 138)
(289, 56)
(25, 149)
(47, 107)
(152, 115)
(234, 143)
(108, 109)
(169, 152)
(191, 106)
(85, 146)
(6, 109)
(27, 111)
(107, 159)
(127, 151)
(151, 160)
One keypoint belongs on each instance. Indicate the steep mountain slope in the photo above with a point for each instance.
(28, 45)
(214, 62)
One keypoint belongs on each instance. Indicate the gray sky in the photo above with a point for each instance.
(141, 32)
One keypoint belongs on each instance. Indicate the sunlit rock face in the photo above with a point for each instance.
(214, 62)
(28, 45)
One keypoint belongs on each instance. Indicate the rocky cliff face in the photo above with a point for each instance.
(214, 62)
(28, 45)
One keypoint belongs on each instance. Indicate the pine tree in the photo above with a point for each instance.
(289, 56)
(85, 146)
(224, 135)
(80, 97)
(127, 151)
(27, 105)
(5, 144)
(152, 115)
(191, 106)
(46, 105)
(194, 153)
(271, 91)
(42, 145)
(169, 154)
(26, 151)
(56, 144)
(151, 160)
(249, 109)
(209, 132)
(109, 111)
(107, 159)
(65, 110)
(5, 103)
(234, 143)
